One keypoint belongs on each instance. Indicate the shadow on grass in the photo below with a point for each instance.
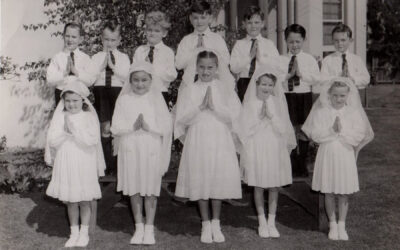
(178, 218)
(49, 216)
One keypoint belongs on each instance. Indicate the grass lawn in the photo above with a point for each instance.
(34, 221)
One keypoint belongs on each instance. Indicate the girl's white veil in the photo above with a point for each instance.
(73, 84)
(248, 116)
(353, 100)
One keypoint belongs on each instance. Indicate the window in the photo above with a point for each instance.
(332, 14)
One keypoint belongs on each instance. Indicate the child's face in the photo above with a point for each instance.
(111, 39)
(254, 25)
(265, 87)
(72, 38)
(154, 34)
(200, 22)
(338, 96)
(140, 82)
(73, 103)
(341, 41)
(206, 69)
(294, 42)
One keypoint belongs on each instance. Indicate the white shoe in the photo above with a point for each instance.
(206, 235)
(263, 231)
(148, 238)
(216, 232)
(333, 231)
(138, 235)
(82, 241)
(72, 240)
(342, 234)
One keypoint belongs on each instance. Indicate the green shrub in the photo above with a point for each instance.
(23, 170)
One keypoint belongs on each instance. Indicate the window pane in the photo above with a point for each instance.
(327, 33)
(332, 10)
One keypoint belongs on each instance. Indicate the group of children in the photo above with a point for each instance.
(270, 129)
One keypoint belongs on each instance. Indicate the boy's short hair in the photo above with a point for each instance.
(158, 18)
(74, 26)
(200, 7)
(252, 11)
(112, 24)
(295, 28)
(342, 28)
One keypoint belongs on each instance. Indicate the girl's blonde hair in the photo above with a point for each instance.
(157, 18)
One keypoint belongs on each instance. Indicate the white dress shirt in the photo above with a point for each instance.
(240, 58)
(332, 67)
(58, 65)
(163, 63)
(188, 45)
(121, 68)
(309, 70)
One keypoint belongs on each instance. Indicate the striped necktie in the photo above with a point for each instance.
(253, 61)
(294, 80)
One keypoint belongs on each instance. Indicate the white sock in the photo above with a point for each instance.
(84, 229)
(74, 230)
(262, 221)
(341, 224)
(271, 219)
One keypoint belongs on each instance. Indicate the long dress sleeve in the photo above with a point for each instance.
(84, 132)
(322, 131)
(353, 132)
(56, 135)
(120, 125)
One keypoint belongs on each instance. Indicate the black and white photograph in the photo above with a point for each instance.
(199, 124)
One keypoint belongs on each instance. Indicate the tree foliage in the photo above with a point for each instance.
(384, 24)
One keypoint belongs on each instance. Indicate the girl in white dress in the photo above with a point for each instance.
(143, 127)
(267, 137)
(338, 123)
(74, 150)
(209, 167)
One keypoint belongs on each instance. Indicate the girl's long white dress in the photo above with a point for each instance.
(75, 176)
(139, 152)
(209, 166)
(335, 165)
(265, 158)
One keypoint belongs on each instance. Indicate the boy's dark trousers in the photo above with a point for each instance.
(105, 98)
(242, 85)
(299, 106)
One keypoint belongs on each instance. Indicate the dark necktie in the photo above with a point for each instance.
(344, 66)
(71, 54)
(151, 54)
(294, 80)
(109, 71)
(200, 40)
(253, 61)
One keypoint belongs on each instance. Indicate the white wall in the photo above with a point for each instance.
(24, 106)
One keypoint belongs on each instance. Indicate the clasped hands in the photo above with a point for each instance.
(207, 101)
(265, 112)
(337, 126)
(141, 124)
(107, 61)
(295, 70)
(70, 67)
